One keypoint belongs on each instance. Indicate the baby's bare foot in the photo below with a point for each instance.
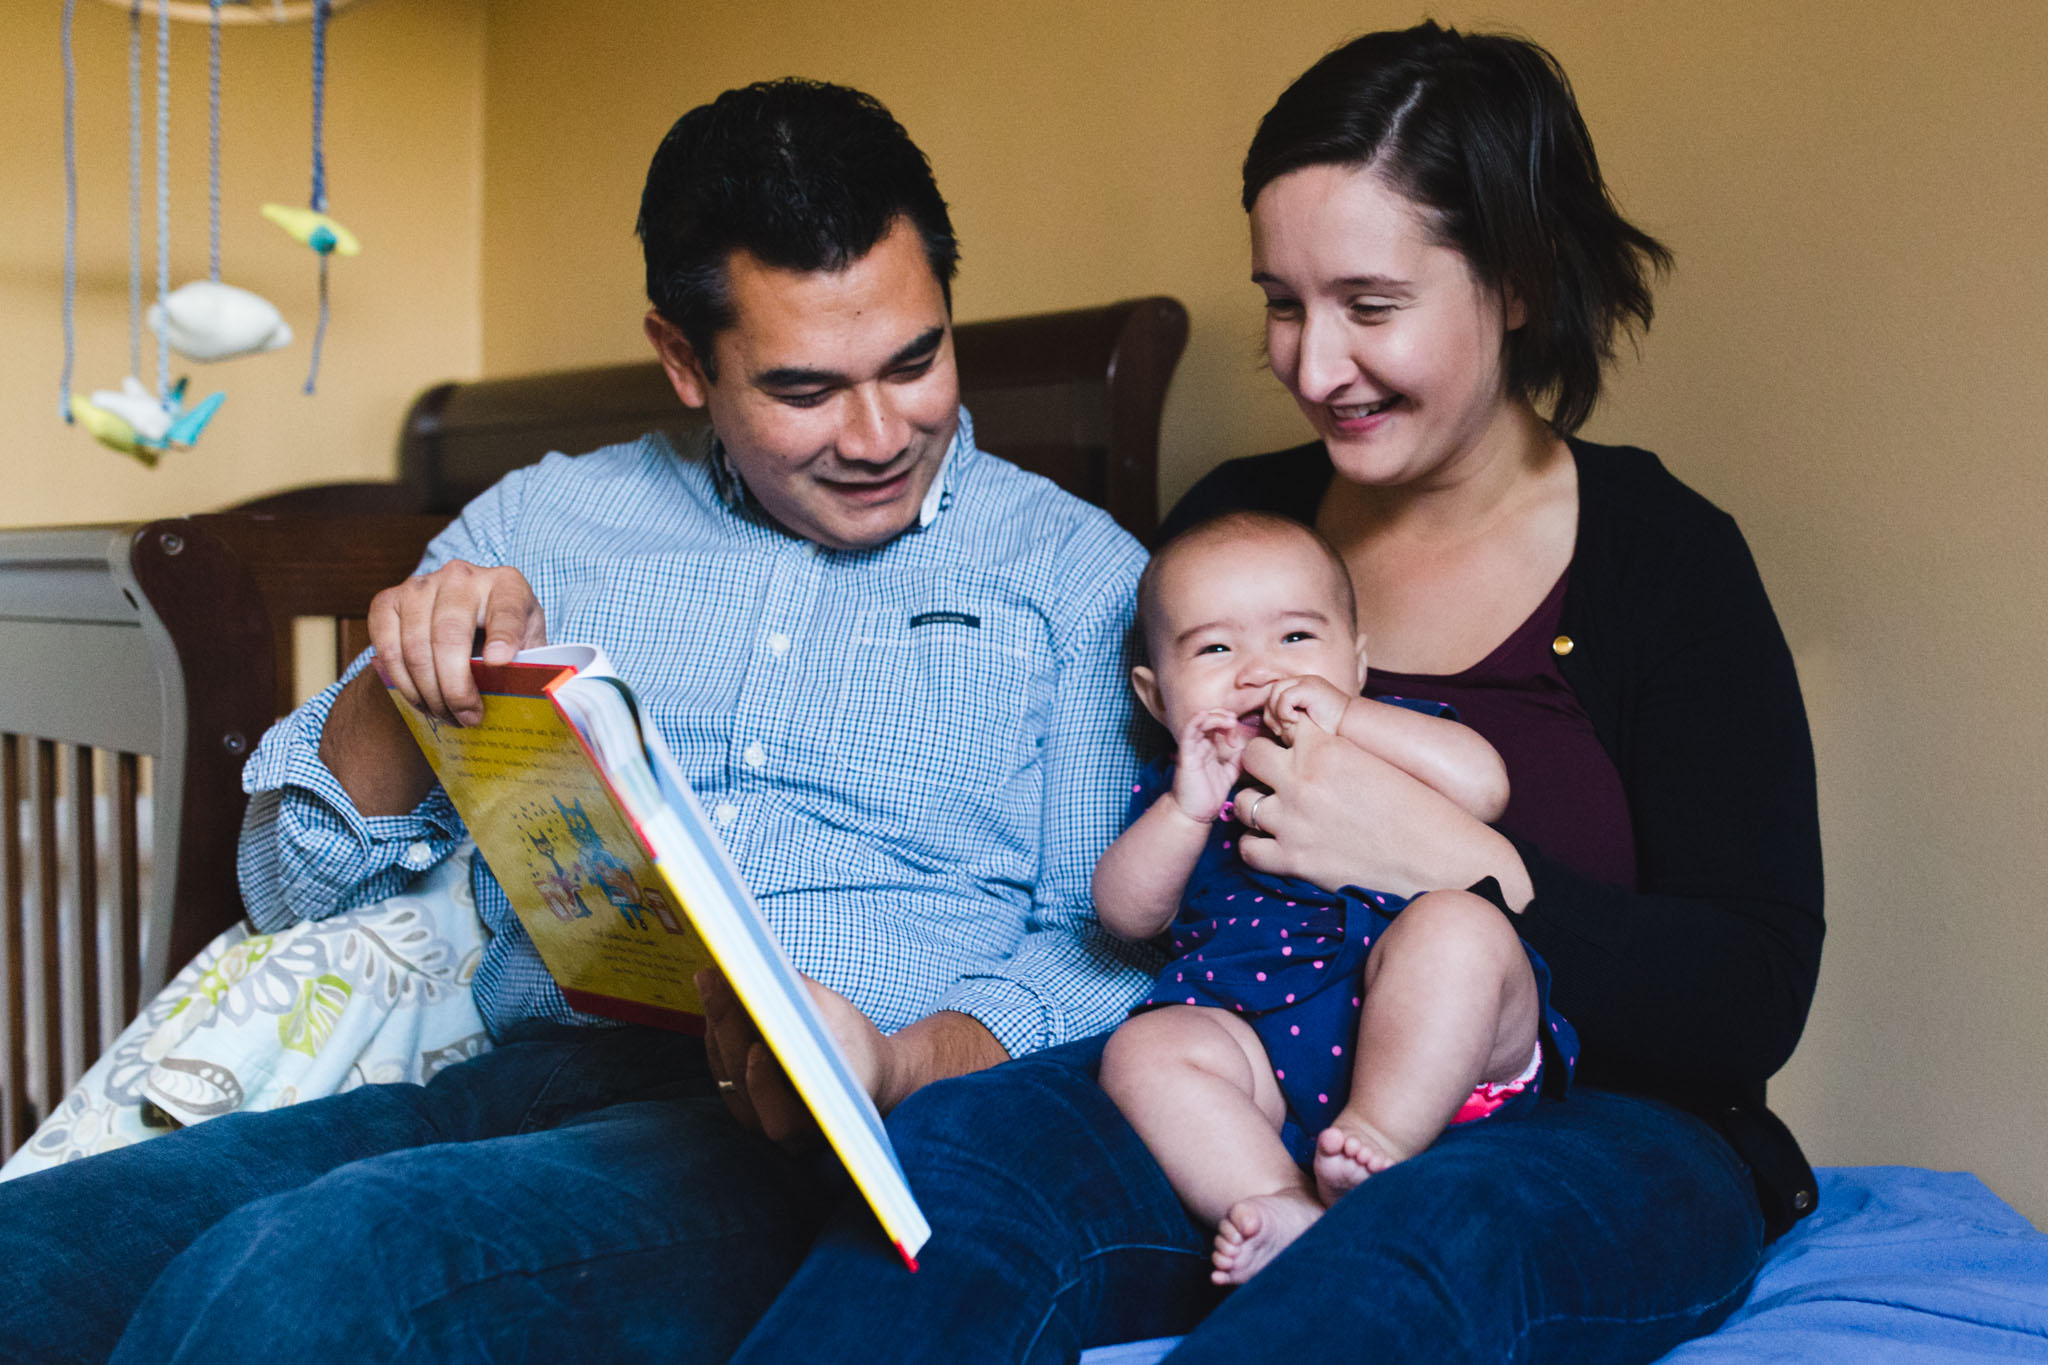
(1258, 1229)
(1346, 1153)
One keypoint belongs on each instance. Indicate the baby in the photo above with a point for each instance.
(1296, 1027)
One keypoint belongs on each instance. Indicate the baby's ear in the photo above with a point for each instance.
(1145, 683)
(1361, 661)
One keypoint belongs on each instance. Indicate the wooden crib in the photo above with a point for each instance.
(140, 664)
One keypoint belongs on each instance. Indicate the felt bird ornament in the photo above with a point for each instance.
(136, 422)
(314, 229)
(207, 320)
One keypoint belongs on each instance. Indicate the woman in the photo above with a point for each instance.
(1444, 277)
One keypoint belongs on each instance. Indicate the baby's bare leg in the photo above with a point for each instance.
(1196, 1085)
(1449, 1002)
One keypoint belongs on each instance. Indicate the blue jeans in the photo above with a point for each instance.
(1602, 1228)
(573, 1195)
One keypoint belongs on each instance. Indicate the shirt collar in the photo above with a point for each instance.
(732, 489)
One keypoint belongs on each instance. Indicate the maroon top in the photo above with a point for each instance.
(1564, 794)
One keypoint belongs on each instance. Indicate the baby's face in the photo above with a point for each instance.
(1236, 613)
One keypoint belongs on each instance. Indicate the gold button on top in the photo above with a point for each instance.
(1561, 646)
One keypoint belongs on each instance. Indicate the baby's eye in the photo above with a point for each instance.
(1295, 637)
(1214, 648)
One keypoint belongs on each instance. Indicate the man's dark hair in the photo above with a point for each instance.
(799, 174)
(1483, 133)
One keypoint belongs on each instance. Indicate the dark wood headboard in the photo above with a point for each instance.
(1075, 396)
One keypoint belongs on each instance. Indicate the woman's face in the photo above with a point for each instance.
(1387, 340)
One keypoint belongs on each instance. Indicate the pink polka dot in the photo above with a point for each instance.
(1319, 964)
(1211, 976)
(1177, 976)
(1290, 997)
(1233, 919)
(1354, 1002)
(1257, 898)
(1262, 976)
(1322, 1099)
(1231, 897)
(1294, 1029)
(1287, 952)
(1191, 1000)
(1255, 924)
(1278, 1074)
(1290, 905)
(1336, 1051)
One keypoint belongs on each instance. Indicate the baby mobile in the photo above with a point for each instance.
(209, 319)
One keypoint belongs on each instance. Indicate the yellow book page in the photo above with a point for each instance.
(605, 920)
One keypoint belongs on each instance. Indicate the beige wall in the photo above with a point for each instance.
(1849, 359)
(404, 128)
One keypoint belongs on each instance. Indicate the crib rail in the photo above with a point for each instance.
(82, 724)
(139, 665)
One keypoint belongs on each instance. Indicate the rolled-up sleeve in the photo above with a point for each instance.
(1070, 978)
(306, 852)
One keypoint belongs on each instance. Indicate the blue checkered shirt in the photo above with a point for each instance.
(915, 753)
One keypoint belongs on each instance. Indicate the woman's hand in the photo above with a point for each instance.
(1338, 816)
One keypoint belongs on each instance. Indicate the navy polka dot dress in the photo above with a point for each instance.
(1289, 958)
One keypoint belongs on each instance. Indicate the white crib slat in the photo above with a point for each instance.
(15, 1125)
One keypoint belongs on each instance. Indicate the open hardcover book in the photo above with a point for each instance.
(577, 806)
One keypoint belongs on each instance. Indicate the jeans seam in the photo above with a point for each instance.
(1074, 1280)
(413, 1310)
(1690, 1310)
(527, 1120)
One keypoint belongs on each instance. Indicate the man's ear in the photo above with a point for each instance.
(679, 360)
(1361, 663)
(1514, 313)
(1145, 683)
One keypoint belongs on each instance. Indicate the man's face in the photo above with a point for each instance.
(836, 395)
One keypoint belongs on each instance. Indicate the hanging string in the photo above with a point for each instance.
(213, 145)
(163, 194)
(70, 216)
(135, 189)
(319, 104)
(319, 172)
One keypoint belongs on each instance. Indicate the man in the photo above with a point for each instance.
(889, 663)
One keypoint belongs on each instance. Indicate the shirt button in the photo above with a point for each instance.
(418, 854)
(1561, 646)
(754, 756)
(725, 812)
(778, 644)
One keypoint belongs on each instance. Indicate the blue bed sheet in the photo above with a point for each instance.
(1898, 1265)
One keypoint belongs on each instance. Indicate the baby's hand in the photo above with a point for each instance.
(1294, 700)
(1211, 755)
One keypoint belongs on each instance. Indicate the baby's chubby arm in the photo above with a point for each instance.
(1442, 754)
(1139, 880)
